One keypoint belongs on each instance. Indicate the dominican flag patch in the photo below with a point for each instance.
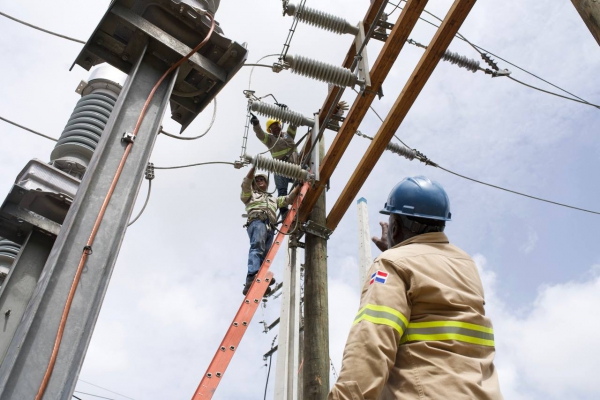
(379, 277)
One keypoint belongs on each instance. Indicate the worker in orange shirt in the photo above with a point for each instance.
(421, 330)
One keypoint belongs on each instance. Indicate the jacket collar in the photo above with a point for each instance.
(433, 237)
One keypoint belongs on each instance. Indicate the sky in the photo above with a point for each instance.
(177, 283)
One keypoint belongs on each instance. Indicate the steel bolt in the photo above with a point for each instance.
(196, 99)
(125, 57)
(7, 313)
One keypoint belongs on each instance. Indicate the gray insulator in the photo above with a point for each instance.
(278, 167)
(79, 139)
(282, 114)
(321, 71)
(323, 20)
(401, 150)
(8, 254)
(461, 61)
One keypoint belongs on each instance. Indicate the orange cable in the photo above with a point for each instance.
(87, 248)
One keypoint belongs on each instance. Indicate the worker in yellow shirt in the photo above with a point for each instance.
(421, 330)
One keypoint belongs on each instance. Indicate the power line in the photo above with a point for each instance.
(94, 395)
(103, 388)
(144, 206)
(42, 29)
(482, 52)
(212, 121)
(429, 162)
(197, 164)
(29, 130)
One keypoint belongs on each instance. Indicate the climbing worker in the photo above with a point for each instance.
(282, 147)
(261, 209)
(421, 330)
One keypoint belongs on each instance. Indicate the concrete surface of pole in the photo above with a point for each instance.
(364, 242)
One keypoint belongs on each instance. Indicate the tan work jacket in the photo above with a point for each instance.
(262, 203)
(282, 147)
(421, 330)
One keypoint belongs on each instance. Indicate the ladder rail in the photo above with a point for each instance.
(216, 369)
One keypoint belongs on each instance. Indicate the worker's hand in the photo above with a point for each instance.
(341, 107)
(250, 174)
(382, 242)
(254, 121)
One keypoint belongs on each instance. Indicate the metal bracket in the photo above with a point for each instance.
(318, 230)
(128, 137)
(296, 243)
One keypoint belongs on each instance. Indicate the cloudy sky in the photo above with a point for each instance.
(177, 283)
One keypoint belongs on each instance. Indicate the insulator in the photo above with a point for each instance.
(281, 113)
(8, 254)
(321, 19)
(489, 61)
(461, 61)
(401, 150)
(321, 71)
(278, 167)
(79, 139)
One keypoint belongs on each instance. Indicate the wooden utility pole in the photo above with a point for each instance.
(590, 13)
(316, 310)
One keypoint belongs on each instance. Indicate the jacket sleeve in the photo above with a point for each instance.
(370, 351)
(246, 190)
(291, 130)
(284, 201)
(267, 139)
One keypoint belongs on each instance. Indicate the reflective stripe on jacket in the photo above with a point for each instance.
(421, 330)
(258, 203)
(282, 148)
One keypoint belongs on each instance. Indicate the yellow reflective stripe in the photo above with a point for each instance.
(382, 315)
(447, 336)
(281, 152)
(458, 324)
(246, 194)
(266, 138)
(449, 330)
(280, 202)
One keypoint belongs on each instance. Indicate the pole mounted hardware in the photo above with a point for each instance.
(318, 230)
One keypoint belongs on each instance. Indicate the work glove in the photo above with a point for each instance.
(254, 121)
(341, 107)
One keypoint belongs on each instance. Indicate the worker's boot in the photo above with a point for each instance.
(249, 280)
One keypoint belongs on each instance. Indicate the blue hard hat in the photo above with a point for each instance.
(419, 197)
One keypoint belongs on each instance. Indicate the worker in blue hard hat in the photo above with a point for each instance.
(421, 330)
(261, 209)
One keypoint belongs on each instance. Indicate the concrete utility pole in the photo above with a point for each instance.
(364, 242)
(590, 13)
(316, 310)
(286, 377)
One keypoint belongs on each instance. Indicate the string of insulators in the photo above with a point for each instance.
(278, 167)
(461, 61)
(338, 76)
(320, 19)
(282, 114)
(402, 151)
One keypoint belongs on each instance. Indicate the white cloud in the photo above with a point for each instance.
(529, 244)
(548, 351)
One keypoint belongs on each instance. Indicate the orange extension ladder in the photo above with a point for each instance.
(235, 333)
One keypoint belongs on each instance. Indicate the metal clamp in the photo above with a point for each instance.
(317, 230)
(128, 137)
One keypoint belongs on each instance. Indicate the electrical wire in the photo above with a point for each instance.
(87, 250)
(212, 121)
(195, 165)
(258, 65)
(108, 390)
(75, 397)
(145, 204)
(94, 395)
(268, 374)
(29, 130)
(41, 29)
(483, 51)
(429, 162)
